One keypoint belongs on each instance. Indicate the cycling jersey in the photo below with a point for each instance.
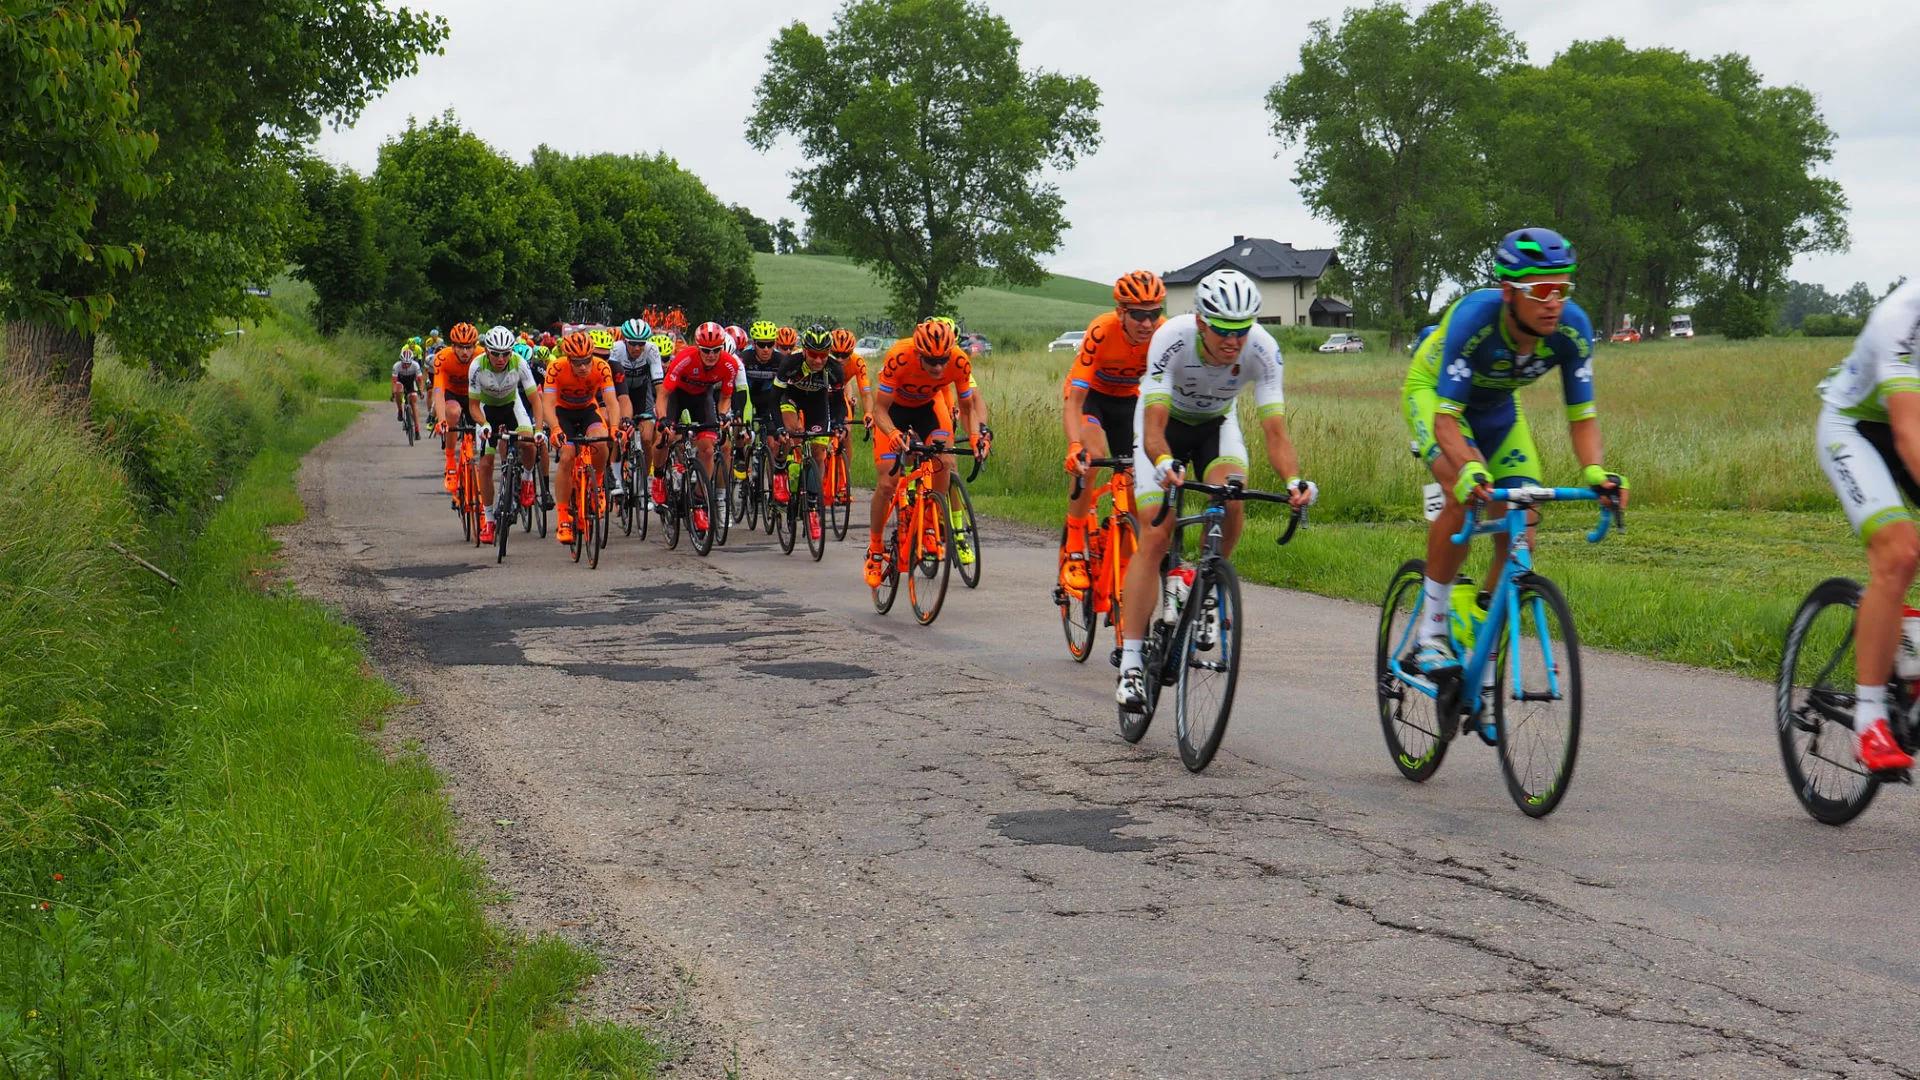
(450, 373)
(642, 362)
(689, 374)
(1854, 436)
(903, 376)
(1195, 391)
(808, 390)
(855, 369)
(577, 390)
(1881, 362)
(1469, 362)
(760, 374)
(1107, 363)
(500, 389)
(407, 370)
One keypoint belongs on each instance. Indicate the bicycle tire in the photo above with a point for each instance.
(1409, 719)
(840, 505)
(969, 533)
(671, 511)
(502, 519)
(595, 540)
(1216, 581)
(812, 487)
(722, 493)
(1077, 621)
(407, 425)
(699, 497)
(752, 505)
(1538, 763)
(540, 503)
(643, 500)
(1134, 725)
(579, 515)
(604, 500)
(1825, 713)
(630, 483)
(935, 566)
(470, 502)
(786, 528)
(889, 587)
(526, 512)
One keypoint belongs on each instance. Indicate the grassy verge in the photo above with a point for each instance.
(207, 869)
(1732, 521)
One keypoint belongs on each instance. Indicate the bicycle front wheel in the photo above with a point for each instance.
(1408, 718)
(699, 505)
(966, 534)
(1813, 706)
(1538, 718)
(816, 528)
(721, 492)
(786, 519)
(1209, 651)
(889, 587)
(1077, 619)
(840, 496)
(928, 569)
(630, 482)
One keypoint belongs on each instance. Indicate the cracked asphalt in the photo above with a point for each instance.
(813, 841)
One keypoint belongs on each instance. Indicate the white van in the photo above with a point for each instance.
(1682, 326)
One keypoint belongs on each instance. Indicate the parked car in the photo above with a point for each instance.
(1344, 343)
(870, 346)
(1069, 341)
(1682, 326)
(975, 344)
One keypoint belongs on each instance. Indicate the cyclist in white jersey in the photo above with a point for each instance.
(1869, 445)
(406, 382)
(496, 379)
(1188, 415)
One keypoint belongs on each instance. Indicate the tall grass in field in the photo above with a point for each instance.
(1732, 520)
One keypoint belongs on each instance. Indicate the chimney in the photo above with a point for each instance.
(1237, 238)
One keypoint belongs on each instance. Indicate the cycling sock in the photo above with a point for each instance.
(1130, 653)
(1870, 704)
(1433, 618)
(1077, 534)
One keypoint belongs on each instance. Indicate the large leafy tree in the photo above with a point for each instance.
(338, 252)
(1391, 112)
(924, 142)
(70, 134)
(621, 240)
(234, 90)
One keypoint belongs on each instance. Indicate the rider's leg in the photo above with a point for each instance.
(1080, 507)
(1893, 554)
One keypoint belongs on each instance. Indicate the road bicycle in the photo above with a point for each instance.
(918, 535)
(590, 516)
(689, 494)
(636, 498)
(507, 505)
(966, 527)
(743, 498)
(721, 483)
(466, 493)
(409, 419)
(837, 485)
(806, 498)
(1193, 640)
(1110, 547)
(1520, 657)
(1813, 707)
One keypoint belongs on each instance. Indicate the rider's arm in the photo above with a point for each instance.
(883, 414)
(739, 389)
(1073, 410)
(1153, 431)
(1280, 452)
(1903, 416)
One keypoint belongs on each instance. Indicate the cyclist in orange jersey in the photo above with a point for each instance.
(1099, 395)
(853, 367)
(450, 367)
(577, 399)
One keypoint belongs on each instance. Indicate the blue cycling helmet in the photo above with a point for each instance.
(523, 350)
(1533, 251)
(636, 330)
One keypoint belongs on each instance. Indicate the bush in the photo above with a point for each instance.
(1818, 325)
(1745, 316)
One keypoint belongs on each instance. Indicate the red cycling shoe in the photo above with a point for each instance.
(1878, 751)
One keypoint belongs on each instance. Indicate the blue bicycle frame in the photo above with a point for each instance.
(1503, 613)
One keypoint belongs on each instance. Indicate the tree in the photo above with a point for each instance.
(784, 239)
(1391, 113)
(816, 241)
(709, 271)
(75, 137)
(338, 252)
(1858, 300)
(621, 237)
(759, 233)
(1800, 299)
(924, 140)
(234, 90)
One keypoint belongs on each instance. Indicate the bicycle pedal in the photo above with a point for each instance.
(1894, 776)
(1114, 658)
(1488, 733)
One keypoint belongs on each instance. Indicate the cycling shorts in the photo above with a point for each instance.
(1499, 433)
(1114, 416)
(1199, 446)
(503, 418)
(409, 383)
(698, 407)
(927, 422)
(576, 423)
(812, 408)
(640, 392)
(765, 403)
(1865, 470)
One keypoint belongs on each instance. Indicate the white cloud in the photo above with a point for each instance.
(1186, 159)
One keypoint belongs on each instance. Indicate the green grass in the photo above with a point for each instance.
(795, 286)
(1732, 521)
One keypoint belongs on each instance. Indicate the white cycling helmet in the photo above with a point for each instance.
(498, 339)
(1227, 295)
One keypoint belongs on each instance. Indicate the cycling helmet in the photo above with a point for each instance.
(498, 339)
(463, 334)
(710, 335)
(737, 336)
(786, 338)
(663, 344)
(1140, 287)
(416, 341)
(407, 353)
(935, 337)
(842, 343)
(1533, 251)
(546, 341)
(816, 339)
(1227, 295)
(636, 330)
(523, 350)
(602, 340)
(577, 345)
(763, 332)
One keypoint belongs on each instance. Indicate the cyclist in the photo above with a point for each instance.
(1869, 446)
(578, 398)
(853, 370)
(698, 372)
(406, 382)
(1188, 414)
(907, 402)
(1467, 426)
(636, 354)
(1098, 400)
(807, 383)
(496, 383)
(450, 385)
(762, 363)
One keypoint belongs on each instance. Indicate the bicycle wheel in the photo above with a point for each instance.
(540, 503)
(1077, 619)
(631, 482)
(642, 499)
(1538, 724)
(840, 501)
(699, 503)
(966, 541)
(931, 564)
(470, 502)
(889, 587)
(769, 510)
(722, 499)
(603, 499)
(406, 425)
(812, 522)
(1409, 719)
(786, 517)
(674, 509)
(503, 513)
(1813, 706)
(593, 530)
(1209, 649)
(756, 473)
(579, 515)
(1133, 725)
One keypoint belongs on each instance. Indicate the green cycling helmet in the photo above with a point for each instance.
(663, 343)
(636, 330)
(763, 331)
(817, 339)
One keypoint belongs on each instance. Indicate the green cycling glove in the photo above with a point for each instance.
(1472, 475)
(1597, 476)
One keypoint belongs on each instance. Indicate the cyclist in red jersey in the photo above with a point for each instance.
(698, 372)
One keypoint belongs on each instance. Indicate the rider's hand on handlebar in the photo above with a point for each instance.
(1302, 493)
(486, 433)
(983, 442)
(1474, 485)
(1076, 464)
(1168, 472)
(1611, 486)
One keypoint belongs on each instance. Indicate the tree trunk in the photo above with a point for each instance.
(54, 355)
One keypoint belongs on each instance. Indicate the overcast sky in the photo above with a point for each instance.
(1186, 158)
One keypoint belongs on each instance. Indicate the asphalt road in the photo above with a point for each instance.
(822, 842)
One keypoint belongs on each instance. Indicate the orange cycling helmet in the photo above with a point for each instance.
(933, 338)
(710, 335)
(1140, 288)
(577, 345)
(787, 338)
(463, 334)
(843, 342)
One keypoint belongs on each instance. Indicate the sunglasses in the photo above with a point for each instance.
(704, 351)
(1544, 290)
(499, 353)
(1231, 330)
(1144, 314)
(934, 361)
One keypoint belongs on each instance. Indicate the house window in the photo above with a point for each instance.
(1303, 320)
(1300, 289)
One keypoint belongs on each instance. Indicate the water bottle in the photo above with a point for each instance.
(1174, 589)
(1906, 663)
(1465, 614)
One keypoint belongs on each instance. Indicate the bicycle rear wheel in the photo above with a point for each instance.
(722, 494)
(786, 519)
(756, 481)
(1209, 651)
(1813, 706)
(1409, 719)
(932, 562)
(840, 497)
(966, 540)
(815, 527)
(889, 587)
(540, 503)
(1539, 731)
(699, 504)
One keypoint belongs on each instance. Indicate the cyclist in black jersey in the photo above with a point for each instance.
(807, 384)
(761, 362)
